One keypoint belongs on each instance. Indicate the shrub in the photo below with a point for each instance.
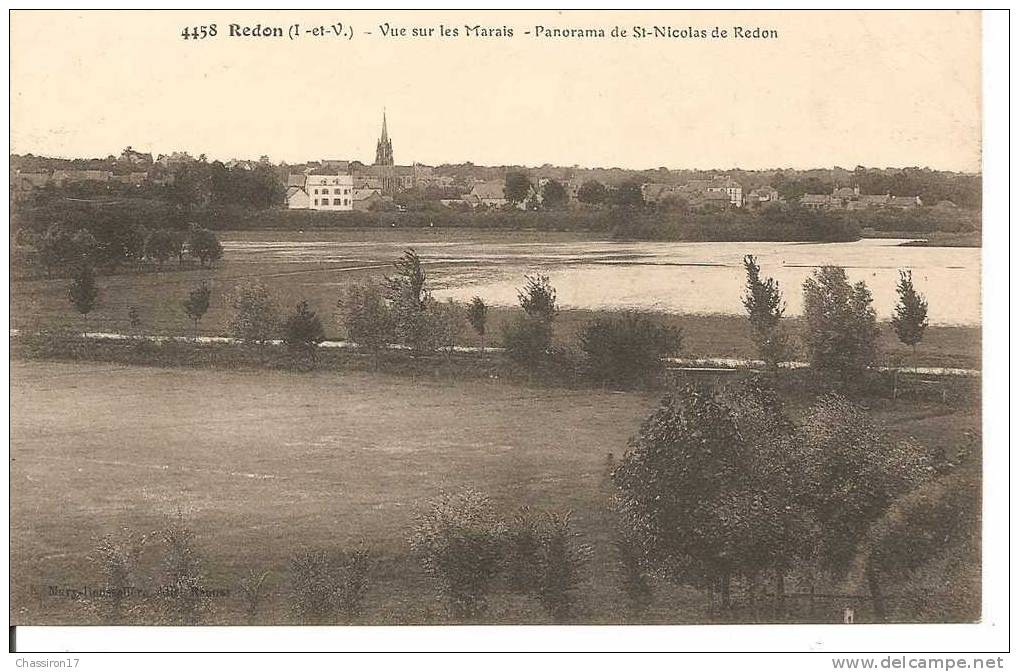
(447, 325)
(633, 576)
(522, 542)
(538, 297)
(363, 312)
(457, 541)
(84, 292)
(256, 316)
(477, 316)
(627, 350)
(117, 561)
(313, 587)
(326, 585)
(253, 590)
(527, 340)
(197, 304)
(160, 245)
(560, 562)
(302, 330)
(184, 598)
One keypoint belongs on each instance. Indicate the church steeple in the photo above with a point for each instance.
(384, 148)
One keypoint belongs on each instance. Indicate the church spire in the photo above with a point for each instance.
(384, 148)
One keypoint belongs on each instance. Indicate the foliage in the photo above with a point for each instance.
(204, 245)
(457, 541)
(517, 187)
(841, 331)
(197, 303)
(849, 475)
(634, 578)
(325, 585)
(364, 314)
(538, 297)
(553, 195)
(256, 315)
(910, 318)
(560, 563)
(183, 578)
(302, 330)
(447, 324)
(160, 245)
(523, 539)
(764, 306)
(116, 558)
(409, 302)
(477, 316)
(627, 349)
(706, 498)
(527, 340)
(254, 590)
(84, 292)
(592, 192)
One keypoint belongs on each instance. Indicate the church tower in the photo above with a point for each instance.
(384, 161)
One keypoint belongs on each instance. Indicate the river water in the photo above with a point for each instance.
(677, 277)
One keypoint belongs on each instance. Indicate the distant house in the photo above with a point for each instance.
(62, 177)
(904, 202)
(816, 201)
(330, 192)
(129, 155)
(762, 196)
(367, 199)
(718, 191)
(297, 180)
(134, 179)
(297, 198)
(491, 194)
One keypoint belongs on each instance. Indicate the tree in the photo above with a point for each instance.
(446, 321)
(517, 186)
(538, 297)
(302, 330)
(848, 475)
(197, 304)
(160, 245)
(84, 292)
(764, 306)
(204, 246)
(553, 195)
(367, 318)
(627, 349)
(842, 330)
(477, 316)
(256, 316)
(627, 195)
(592, 192)
(458, 543)
(910, 318)
(704, 489)
(409, 302)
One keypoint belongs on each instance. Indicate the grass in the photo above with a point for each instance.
(263, 464)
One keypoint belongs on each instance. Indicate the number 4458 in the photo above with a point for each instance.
(199, 32)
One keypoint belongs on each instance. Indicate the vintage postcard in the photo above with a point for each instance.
(402, 318)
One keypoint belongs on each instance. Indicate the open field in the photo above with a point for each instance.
(266, 463)
(296, 275)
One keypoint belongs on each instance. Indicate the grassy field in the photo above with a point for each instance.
(43, 304)
(263, 464)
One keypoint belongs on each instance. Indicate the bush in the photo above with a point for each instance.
(184, 598)
(560, 562)
(302, 330)
(256, 316)
(527, 340)
(325, 585)
(363, 312)
(522, 542)
(117, 561)
(253, 591)
(627, 350)
(457, 541)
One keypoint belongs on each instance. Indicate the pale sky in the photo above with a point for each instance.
(836, 88)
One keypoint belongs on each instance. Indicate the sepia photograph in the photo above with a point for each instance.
(461, 318)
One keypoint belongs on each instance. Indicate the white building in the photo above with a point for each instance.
(323, 192)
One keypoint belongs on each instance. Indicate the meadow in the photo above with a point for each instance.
(262, 464)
